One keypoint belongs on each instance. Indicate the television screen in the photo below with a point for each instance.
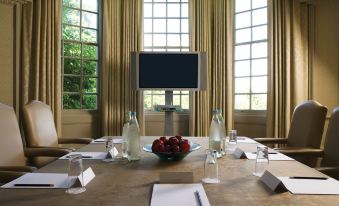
(171, 71)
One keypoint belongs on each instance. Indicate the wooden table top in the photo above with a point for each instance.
(131, 183)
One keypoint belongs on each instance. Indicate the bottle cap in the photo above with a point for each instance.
(133, 113)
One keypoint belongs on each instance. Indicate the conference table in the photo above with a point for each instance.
(131, 183)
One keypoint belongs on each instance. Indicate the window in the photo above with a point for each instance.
(166, 28)
(80, 54)
(250, 55)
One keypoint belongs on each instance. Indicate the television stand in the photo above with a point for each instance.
(168, 109)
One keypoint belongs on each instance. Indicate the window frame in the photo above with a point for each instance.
(81, 58)
(167, 48)
(250, 59)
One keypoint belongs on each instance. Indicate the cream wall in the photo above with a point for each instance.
(7, 49)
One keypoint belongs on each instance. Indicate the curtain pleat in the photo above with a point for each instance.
(288, 62)
(122, 34)
(41, 55)
(211, 32)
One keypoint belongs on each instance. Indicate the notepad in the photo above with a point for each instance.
(49, 180)
(178, 195)
(242, 139)
(87, 155)
(116, 139)
(271, 156)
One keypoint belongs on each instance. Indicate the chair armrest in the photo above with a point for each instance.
(46, 152)
(70, 149)
(310, 152)
(17, 168)
(75, 140)
(7, 176)
(330, 171)
(268, 140)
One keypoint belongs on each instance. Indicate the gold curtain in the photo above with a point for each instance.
(211, 32)
(40, 55)
(122, 34)
(288, 62)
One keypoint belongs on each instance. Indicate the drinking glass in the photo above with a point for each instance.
(211, 167)
(75, 175)
(119, 149)
(261, 161)
(232, 142)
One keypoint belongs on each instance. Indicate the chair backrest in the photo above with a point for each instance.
(39, 125)
(307, 125)
(11, 147)
(331, 150)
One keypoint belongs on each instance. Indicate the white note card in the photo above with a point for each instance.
(116, 139)
(178, 195)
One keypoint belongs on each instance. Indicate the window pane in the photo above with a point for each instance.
(90, 5)
(184, 26)
(159, 25)
(158, 92)
(243, 20)
(159, 40)
(71, 33)
(89, 20)
(259, 50)
(173, 50)
(242, 102)
(147, 101)
(71, 84)
(148, 40)
(259, 102)
(90, 85)
(243, 35)
(259, 67)
(185, 92)
(158, 99)
(72, 3)
(259, 16)
(89, 35)
(173, 25)
(259, 33)
(72, 49)
(176, 99)
(90, 52)
(147, 10)
(71, 66)
(259, 84)
(90, 68)
(242, 68)
(159, 10)
(242, 52)
(242, 5)
(89, 102)
(185, 102)
(173, 40)
(173, 10)
(71, 101)
(258, 3)
(184, 10)
(242, 85)
(147, 25)
(185, 40)
(71, 16)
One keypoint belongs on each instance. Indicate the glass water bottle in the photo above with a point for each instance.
(133, 139)
(215, 137)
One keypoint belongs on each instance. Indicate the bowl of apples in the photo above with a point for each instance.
(172, 149)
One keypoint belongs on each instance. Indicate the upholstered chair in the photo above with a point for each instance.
(40, 130)
(14, 159)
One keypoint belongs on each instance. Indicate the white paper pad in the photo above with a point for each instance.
(329, 186)
(271, 157)
(92, 155)
(178, 195)
(56, 179)
(116, 139)
(242, 139)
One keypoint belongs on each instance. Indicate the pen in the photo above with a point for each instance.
(268, 153)
(33, 185)
(198, 197)
(312, 178)
(82, 157)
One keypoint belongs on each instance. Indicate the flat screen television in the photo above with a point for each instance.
(168, 70)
